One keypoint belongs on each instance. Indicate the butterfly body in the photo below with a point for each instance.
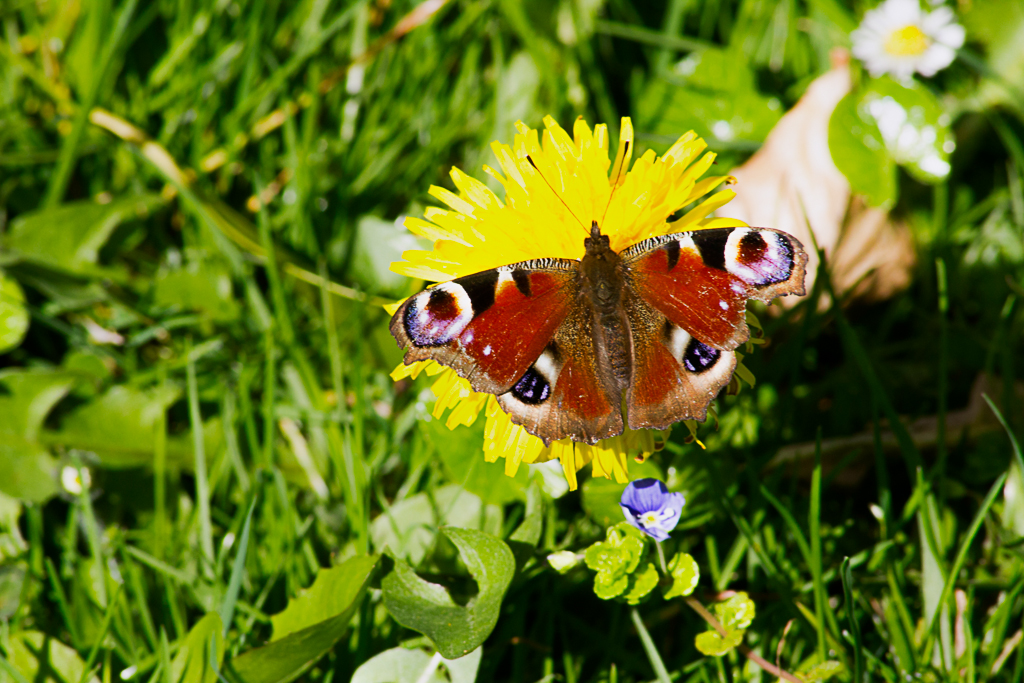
(568, 345)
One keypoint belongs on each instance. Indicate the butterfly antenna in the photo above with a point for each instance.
(619, 171)
(567, 207)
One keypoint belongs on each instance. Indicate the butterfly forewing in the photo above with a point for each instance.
(701, 280)
(491, 326)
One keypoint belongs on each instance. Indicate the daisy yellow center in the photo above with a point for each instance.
(909, 41)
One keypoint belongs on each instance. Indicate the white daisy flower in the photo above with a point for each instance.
(899, 38)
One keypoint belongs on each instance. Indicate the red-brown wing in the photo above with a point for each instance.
(675, 376)
(686, 301)
(564, 393)
(701, 280)
(491, 326)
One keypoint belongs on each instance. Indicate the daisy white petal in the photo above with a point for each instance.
(899, 38)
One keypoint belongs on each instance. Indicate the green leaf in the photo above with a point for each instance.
(998, 25)
(736, 612)
(711, 644)
(713, 93)
(118, 426)
(12, 583)
(735, 615)
(913, 126)
(685, 574)
(823, 671)
(27, 470)
(333, 591)
(859, 151)
(615, 559)
(69, 237)
(428, 608)
(530, 528)
(42, 659)
(408, 527)
(641, 583)
(192, 663)
(379, 243)
(13, 314)
(399, 665)
(203, 286)
(288, 657)
(874, 128)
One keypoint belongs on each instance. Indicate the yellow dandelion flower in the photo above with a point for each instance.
(549, 179)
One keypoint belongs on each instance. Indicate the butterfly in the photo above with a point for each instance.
(568, 346)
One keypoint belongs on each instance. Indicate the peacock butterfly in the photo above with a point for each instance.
(561, 342)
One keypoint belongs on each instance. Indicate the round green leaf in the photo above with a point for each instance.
(737, 612)
(642, 583)
(714, 645)
(859, 151)
(13, 314)
(685, 574)
(429, 608)
(913, 127)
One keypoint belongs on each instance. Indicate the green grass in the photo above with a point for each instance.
(239, 184)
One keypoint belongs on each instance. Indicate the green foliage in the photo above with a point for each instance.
(860, 152)
(685, 574)
(13, 314)
(713, 93)
(822, 672)
(426, 607)
(399, 665)
(198, 660)
(27, 470)
(735, 614)
(618, 561)
(38, 657)
(335, 592)
(69, 238)
(310, 626)
(885, 124)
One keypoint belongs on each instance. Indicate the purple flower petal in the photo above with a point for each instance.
(648, 505)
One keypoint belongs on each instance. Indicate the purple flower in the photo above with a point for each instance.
(649, 507)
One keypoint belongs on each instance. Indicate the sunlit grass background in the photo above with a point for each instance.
(199, 201)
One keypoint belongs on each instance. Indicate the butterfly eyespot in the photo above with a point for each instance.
(759, 257)
(438, 316)
(699, 357)
(532, 388)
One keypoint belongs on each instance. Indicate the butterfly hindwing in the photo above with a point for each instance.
(675, 376)
(490, 326)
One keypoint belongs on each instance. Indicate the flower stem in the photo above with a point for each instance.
(661, 559)
(744, 650)
(652, 652)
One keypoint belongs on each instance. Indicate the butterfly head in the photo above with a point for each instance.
(597, 243)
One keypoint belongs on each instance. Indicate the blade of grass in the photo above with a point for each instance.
(227, 608)
(814, 529)
(961, 556)
(199, 452)
(100, 636)
(69, 150)
(351, 482)
(858, 646)
(649, 648)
